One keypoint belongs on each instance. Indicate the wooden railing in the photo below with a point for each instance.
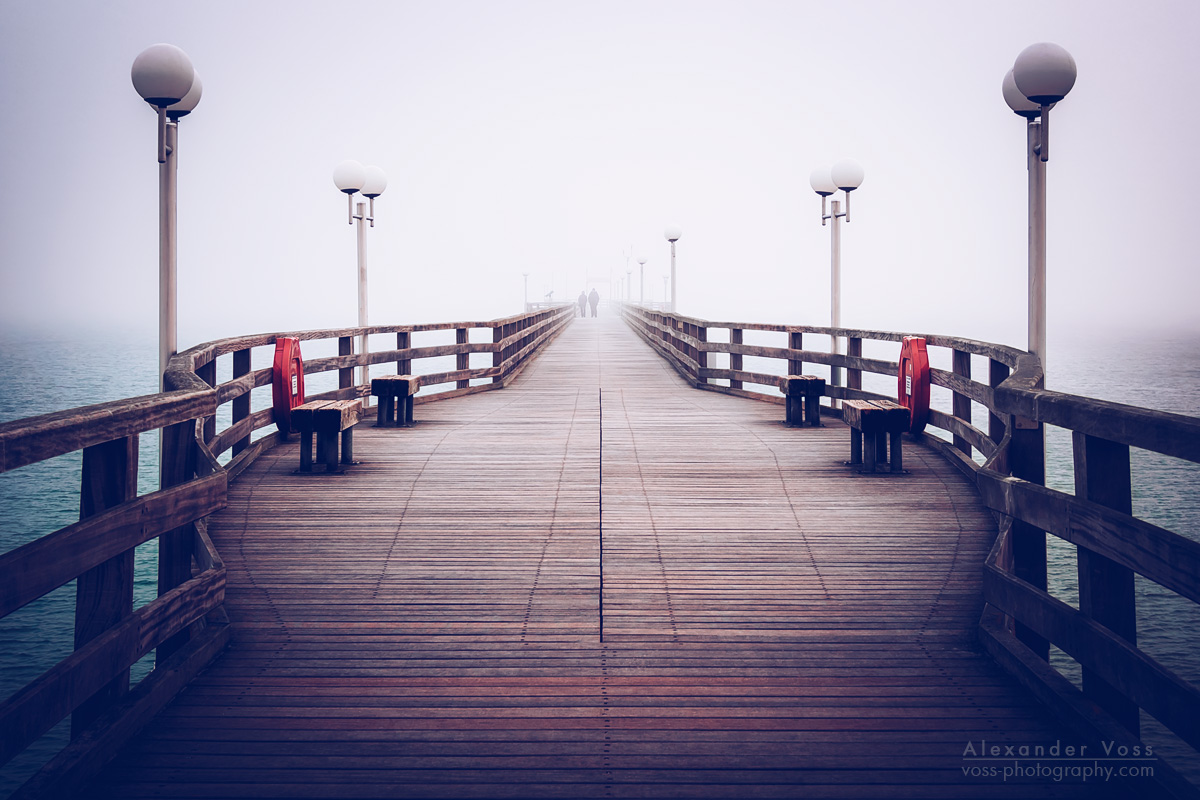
(1022, 619)
(185, 625)
(511, 341)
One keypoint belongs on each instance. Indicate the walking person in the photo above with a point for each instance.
(582, 304)
(594, 299)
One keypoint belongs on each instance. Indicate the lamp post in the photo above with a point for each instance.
(525, 275)
(352, 177)
(163, 75)
(628, 286)
(847, 176)
(642, 280)
(672, 235)
(1042, 75)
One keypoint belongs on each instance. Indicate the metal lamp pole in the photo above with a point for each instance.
(163, 75)
(642, 280)
(1042, 75)
(847, 176)
(672, 235)
(525, 275)
(352, 177)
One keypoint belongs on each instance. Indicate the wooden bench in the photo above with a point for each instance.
(327, 418)
(802, 400)
(872, 423)
(395, 393)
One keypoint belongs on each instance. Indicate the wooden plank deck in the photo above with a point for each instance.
(598, 582)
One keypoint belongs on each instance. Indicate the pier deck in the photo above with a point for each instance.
(598, 582)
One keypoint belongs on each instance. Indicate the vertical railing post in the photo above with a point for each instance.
(208, 374)
(962, 403)
(1105, 587)
(795, 342)
(175, 547)
(241, 404)
(1027, 461)
(998, 373)
(345, 374)
(463, 360)
(403, 342)
(701, 334)
(104, 594)
(735, 359)
(498, 353)
(854, 374)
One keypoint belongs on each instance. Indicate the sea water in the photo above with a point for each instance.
(45, 373)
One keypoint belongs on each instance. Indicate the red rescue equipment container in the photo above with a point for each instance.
(912, 388)
(287, 381)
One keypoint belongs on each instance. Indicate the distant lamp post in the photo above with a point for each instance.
(642, 279)
(1042, 75)
(847, 176)
(351, 178)
(672, 235)
(628, 286)
(163, 75)
(525, 275)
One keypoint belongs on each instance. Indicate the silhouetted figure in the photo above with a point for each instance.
(594, 299)
(582, 304)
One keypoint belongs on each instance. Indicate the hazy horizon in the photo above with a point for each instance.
(554, 139)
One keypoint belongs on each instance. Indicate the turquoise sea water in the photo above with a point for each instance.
(43, 374)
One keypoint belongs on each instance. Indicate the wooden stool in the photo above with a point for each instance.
(395, 393)
(802, 403)
(327, 418)
(872, 423)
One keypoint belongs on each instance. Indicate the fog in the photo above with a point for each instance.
(556, 138)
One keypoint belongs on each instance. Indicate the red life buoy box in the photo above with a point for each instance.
(912, 389)
(287, 381)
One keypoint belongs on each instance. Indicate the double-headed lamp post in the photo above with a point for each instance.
(642, 279)
(352, 177)
(163, 75)
(672, 234)
(1042, 75)
(847, 176)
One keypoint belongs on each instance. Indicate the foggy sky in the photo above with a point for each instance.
(550, 137)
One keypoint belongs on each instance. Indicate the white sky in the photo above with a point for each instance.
(549, 137)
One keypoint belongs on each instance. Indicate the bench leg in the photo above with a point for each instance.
(408, 411)
(881, 443)
(306, 443)
(348, 446)
(327, 445)
(856, 446)
(870, 451)
(789, 411)
(897, 463)
(381, 413)
(812, 410)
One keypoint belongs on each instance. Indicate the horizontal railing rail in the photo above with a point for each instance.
(185, 625)
(1007, 462)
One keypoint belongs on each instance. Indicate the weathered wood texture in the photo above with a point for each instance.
(597, 583)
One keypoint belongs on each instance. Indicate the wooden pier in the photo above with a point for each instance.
(597, 583)
(602, 582)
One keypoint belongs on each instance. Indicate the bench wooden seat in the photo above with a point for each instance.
(872, 423)
(327, 418)
(395, 393)
(802, 399)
